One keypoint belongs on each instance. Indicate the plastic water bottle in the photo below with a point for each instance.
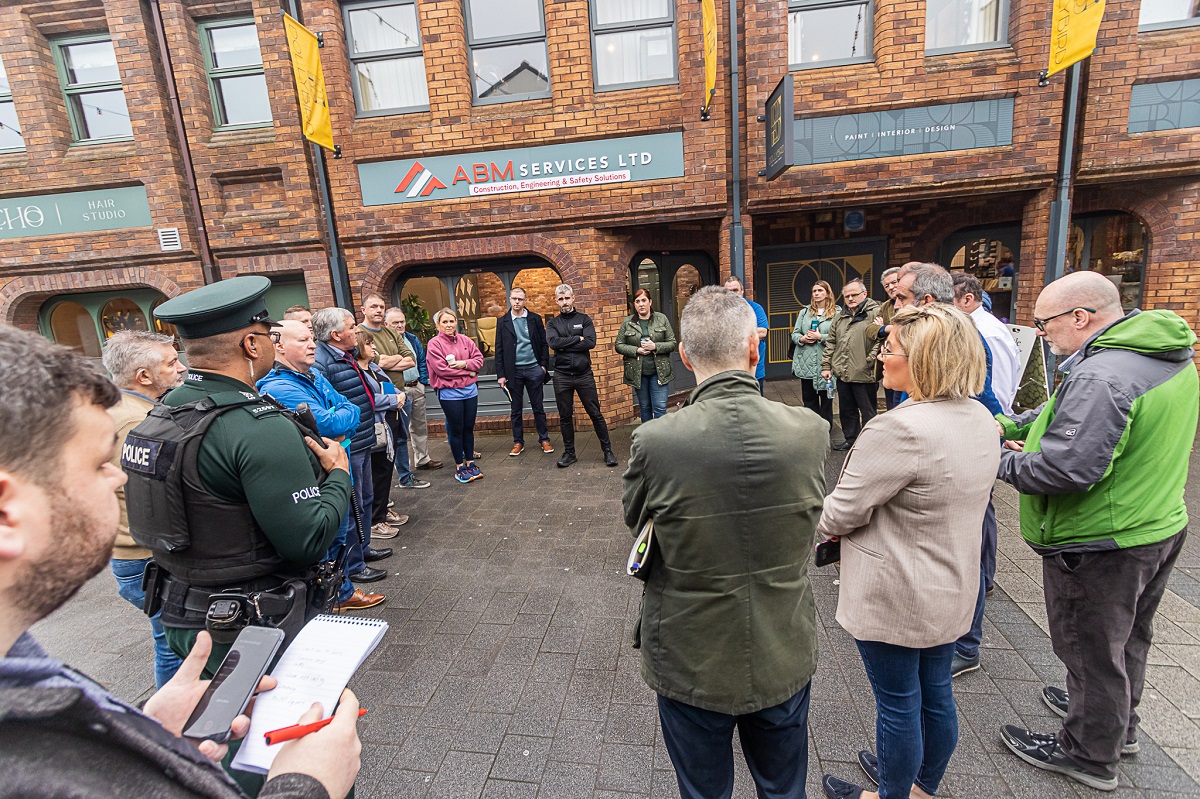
(829, 389)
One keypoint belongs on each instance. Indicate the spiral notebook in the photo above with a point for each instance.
(315, 668)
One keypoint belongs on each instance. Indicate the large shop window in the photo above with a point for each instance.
(10, 128)
(954, 25)
(1115, 246)
(233, 62)
(1159, 14)
(633, 43)
(83, 321)
(91, 84)
(508, 50)
(827, 33)
(386, 62)
(990, 260)
(479, 297)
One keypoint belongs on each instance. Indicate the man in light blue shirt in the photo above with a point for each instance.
(760, 317)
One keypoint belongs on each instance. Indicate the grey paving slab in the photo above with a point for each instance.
(510, 620)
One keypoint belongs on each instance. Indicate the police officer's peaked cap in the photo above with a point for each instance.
(218, 308)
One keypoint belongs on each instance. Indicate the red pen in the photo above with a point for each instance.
(300, 730)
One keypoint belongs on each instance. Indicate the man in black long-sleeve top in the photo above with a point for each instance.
(572, 335)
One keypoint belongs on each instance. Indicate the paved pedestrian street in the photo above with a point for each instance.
(507, 670)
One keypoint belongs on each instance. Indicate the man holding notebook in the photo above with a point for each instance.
(734, 485)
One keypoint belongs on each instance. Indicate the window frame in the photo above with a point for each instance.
(622, 27)
(474, 44)
(1186, 22)
(7, 97)
(382, 55)
(213, 73)
(996, 44)
(818, 5)
(69, 90)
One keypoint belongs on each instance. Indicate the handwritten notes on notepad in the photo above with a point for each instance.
(314, 668)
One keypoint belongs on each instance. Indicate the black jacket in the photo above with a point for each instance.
(506, 344)
(571, 356)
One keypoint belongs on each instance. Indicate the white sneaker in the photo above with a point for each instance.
(382, 530)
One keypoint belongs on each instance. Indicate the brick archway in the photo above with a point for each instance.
(394, 261)
(1149, 211)
(21, 299)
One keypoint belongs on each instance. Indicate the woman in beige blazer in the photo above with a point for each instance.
(908, 508)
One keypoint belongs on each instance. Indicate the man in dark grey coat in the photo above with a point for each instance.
(734, 484)
(60, 733)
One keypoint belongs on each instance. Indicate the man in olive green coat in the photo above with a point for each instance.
(850, 350)
(734, 484)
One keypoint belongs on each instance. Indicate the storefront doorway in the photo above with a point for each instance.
(992, 254)
(784, 277)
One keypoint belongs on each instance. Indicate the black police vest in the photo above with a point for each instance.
(197, 537)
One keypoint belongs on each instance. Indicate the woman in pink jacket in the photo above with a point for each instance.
(454, 363)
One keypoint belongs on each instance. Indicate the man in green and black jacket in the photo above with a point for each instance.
(1102, 476)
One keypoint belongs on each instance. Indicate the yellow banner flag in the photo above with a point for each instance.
(310, 83)
(1073, 32)
(708, 16)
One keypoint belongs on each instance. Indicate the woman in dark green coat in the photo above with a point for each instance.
(646, 340)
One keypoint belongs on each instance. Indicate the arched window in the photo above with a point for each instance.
(539, 285)
(1113, 244)
(72, 326)
(687, 283)
(121, 314)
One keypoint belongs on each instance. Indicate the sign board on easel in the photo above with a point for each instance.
(1034, 389)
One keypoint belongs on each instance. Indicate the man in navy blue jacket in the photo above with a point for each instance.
(337, 345)
(293, 381)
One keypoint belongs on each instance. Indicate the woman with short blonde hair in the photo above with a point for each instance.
(908, 509)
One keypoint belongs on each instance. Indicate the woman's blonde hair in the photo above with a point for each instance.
(830, 299)
(945, 353)
(437, 317)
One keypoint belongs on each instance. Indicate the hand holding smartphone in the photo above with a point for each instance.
(234, 684)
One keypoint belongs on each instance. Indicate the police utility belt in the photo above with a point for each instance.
(194, 580)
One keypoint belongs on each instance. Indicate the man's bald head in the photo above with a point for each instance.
(1076, 307)
(294, 345)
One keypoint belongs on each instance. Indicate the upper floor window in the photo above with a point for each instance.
(1157, 14)
(508, 50)
(233, 61)
(633, 43)
(952, 25)
(10, 129)
(91, 84)
(825, 33)
(386, 64)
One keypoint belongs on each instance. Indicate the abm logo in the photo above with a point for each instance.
(419, 182)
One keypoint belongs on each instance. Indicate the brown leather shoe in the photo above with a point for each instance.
(517, 449)
(547, 447)
(359, 601)
(429, 466)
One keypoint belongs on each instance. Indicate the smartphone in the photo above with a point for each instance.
(230, 690)
(827, 552)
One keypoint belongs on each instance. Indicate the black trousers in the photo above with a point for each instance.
(382, 470)
(817, 401)
(856, 406)
(527, 379)
(565, 389)
(1101, 607)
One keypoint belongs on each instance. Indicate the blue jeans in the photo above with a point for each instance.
(347, 525)
(651, 397)
(360, 471)
(129, 586)
(774, 743)
(916, 726)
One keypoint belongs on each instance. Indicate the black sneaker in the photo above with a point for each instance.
(1043, 751)
(566, 460)
(961, 665)
(1057, 700)
(870, 765)
(840, 789)
(609, 458)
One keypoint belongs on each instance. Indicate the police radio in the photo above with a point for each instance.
(305, 416)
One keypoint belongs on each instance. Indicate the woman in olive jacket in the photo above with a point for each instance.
(646, 340)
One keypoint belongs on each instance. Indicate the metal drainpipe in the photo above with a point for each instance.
(737, 236)
(208, 269)
(339, 275)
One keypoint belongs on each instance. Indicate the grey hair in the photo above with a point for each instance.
(888, 273)
(40, 384)
(934, 281)
(130, 350)
(563, 288)
(437, 317)
(715, 326)
(328, 321)
(394, 309)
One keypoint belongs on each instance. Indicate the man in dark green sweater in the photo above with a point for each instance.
(734, 485)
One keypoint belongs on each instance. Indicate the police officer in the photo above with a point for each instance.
(224, 488)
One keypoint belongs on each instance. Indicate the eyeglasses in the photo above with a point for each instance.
(855, 294)
(1040, 324)
(886, 351)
